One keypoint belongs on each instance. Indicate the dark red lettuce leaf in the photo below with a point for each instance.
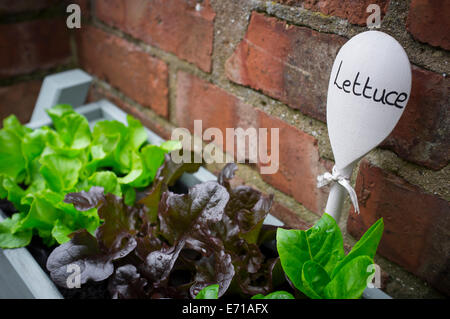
(113, 240)
(203, 206)
(159, 263)
(84, 251)
(166, 176)
(215, 269)
(83, 200)
(127, 283)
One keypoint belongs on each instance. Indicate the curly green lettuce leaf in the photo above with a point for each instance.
(106, 179)
(73, 128)
(12, 163)
(10, 238)
(61, 173)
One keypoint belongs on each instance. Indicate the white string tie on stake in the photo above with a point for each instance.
(336, 177)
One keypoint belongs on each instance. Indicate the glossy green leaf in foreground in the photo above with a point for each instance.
(322, 244)
(366, 246)
(275, 295)
(315, 262)
(314, 279)
(209, 292)
(351, 280)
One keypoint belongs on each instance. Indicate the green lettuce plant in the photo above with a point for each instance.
(38, 167)
(315, 262)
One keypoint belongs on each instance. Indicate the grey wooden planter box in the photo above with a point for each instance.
(20, 274)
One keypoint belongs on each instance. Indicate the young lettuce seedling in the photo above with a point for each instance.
(315, 262)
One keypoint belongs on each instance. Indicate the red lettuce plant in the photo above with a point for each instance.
(172, 245)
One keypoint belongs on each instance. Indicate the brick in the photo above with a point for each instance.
(288, 217)
(428, 22)
(300, 164)
(417, 224)
(353, 11)
(299, 161)
(125, 66)
(85, 7)
(172, 25)
(34, 45)
(15, 6)
(289, 63)
(19, 99)
(97, 93)
(421, 135)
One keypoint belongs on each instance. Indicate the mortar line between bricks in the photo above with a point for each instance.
(260, 49)
(37, 75)
(152, 50)
(155, 118)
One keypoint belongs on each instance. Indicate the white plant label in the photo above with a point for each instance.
(369, 88)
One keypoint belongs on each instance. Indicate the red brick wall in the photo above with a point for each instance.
(34, 42)
(242, 63)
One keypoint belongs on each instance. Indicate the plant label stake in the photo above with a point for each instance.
(369, 88)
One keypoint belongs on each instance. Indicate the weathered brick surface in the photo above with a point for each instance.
(352, 10)
(428, 22)
(299, 161)
(288, 217)
(289, 63)
(422, 134)
(125, 66)
(85, 7)
(34, 45)
(417, 224)
(177, 26)
(15, 6)
(19, 99)
(300, 164)
(293, 64)
(97, 93)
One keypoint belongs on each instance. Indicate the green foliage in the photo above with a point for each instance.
(275, 295)
(209, 292)
(38, 167)
(315, 262)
